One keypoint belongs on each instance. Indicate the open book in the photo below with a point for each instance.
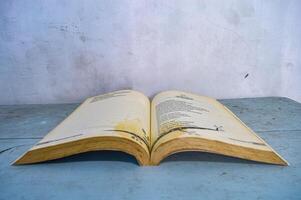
(172, 122)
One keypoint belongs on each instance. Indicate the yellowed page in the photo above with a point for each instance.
(124, 113)
(178, 114)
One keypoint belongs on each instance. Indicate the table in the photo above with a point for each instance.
(115, 175)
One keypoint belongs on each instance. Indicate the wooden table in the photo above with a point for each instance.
(114, 175)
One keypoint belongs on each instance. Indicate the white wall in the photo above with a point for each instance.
(64, 51)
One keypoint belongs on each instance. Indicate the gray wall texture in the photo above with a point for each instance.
(66, 50)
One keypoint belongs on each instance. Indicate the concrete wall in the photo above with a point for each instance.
(63, 51)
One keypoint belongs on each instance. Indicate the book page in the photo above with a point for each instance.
(124, 113)
(178, 114)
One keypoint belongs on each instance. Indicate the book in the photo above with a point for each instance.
(151, 130)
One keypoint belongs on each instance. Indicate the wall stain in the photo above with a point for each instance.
(83, 38)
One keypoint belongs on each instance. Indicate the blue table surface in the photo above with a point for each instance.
(115, 175)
